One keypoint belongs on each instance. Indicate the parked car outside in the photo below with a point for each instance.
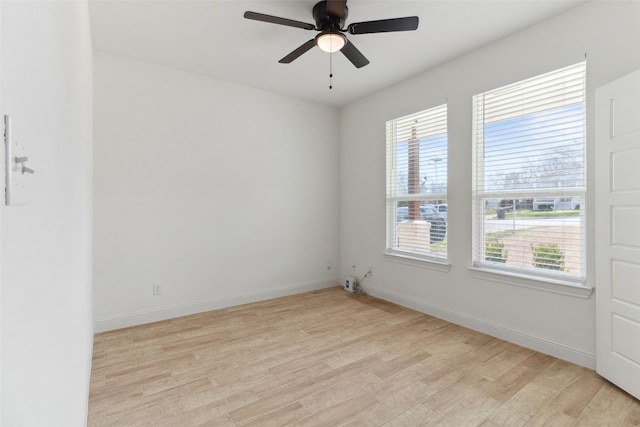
(557, 204)
(442, 210)
(427, 213)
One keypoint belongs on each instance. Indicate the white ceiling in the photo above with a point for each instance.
(212, 38)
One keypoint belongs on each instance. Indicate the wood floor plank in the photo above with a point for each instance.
(335, 414)
(392, 405)
(610, 406)
(332, 358)
(417, 415)
(274, 401)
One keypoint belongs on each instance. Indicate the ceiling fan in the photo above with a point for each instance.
(330, 16)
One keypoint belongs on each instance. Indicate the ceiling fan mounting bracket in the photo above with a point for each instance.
(325, 20)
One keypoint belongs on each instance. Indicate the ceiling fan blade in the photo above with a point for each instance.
(354, 55)
(337, 7)
(299, 51)
(277, 20)
(408, 23)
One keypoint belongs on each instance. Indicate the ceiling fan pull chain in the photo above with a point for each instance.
(330, 71)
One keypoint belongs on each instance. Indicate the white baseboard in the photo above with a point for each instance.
(163, 313)
(89, 368)
(526, 339)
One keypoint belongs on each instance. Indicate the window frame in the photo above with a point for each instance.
(392, 251)
(564, 283)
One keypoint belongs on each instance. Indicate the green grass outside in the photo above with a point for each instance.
(500, 234)
(537, 214)
(545, 214)
(439, 246)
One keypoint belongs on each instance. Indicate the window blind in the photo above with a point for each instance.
(529, 176)
(417, 184)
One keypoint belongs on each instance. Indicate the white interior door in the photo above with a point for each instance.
(618, 232)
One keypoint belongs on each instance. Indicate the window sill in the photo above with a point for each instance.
(546, 285)
(431, 264)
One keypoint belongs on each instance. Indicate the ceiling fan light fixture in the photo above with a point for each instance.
(330, 42)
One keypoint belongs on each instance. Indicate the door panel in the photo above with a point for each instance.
(624, 280)
(625, 161)
(618, 232)
(625, 227)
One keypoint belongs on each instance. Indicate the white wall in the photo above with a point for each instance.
(609, 33)
(222, 194)
(46, 299)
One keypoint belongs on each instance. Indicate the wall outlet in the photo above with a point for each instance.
(350, 284)
(157, 290)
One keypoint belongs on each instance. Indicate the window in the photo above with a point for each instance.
(529, 176)
(417, 184)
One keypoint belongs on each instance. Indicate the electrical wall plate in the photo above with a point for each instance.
(350, 284)
(16, 170)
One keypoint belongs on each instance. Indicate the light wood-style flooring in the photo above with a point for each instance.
(330, 358)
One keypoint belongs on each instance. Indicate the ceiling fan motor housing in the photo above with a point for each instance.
(326, 21)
